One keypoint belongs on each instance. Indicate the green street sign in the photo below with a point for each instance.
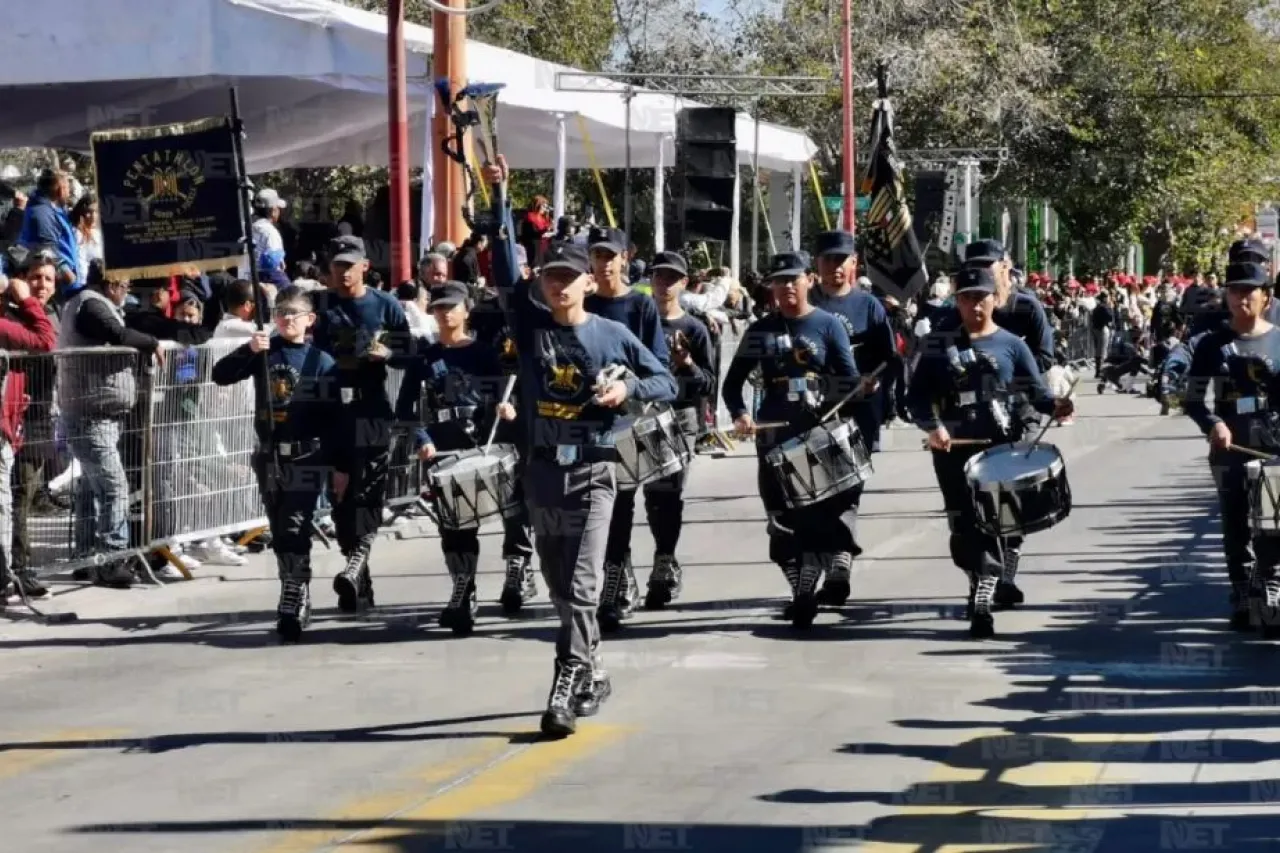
(835, 204)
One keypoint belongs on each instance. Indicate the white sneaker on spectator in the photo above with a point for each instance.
(167, 571)
(186, 559)
(215, 552)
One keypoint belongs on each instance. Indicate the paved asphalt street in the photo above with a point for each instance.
(1111, 713)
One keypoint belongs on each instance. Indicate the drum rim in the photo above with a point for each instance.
(1031, 478)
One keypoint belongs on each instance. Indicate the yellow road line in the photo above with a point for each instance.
(373, 808)
(490, 776)
(15, 762)
(499, 784)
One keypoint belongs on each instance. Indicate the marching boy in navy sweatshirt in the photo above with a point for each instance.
(297, 405)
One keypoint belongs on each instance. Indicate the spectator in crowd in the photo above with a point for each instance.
(268, 245)
(24, 327)
(466, 264)
(413, 297)
(14, 203)
(84, 218)
(1102, 321)
(240, 309)
(445, 249)
(46, 223)
(75, 189)
(433, 271)
(635, 266)
(158, 320)
(307, 276)
(535, 227)
(96, 396)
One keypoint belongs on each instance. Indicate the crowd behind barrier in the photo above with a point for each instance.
(181, 468)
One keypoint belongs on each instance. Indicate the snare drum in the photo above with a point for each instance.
(826, 461)
(1018, 489)
(470, 487)
(652, 448)
(1264, 497)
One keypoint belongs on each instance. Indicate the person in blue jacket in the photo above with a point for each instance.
(46, 223)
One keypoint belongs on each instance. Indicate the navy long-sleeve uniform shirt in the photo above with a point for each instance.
(559, 364)
(346, 329)
(806, 364)
(867, 324)
(871, 335)
(303, 390)
(696, 381)
(1245, 375)
(1024, 316)
(638, 312)
(449, 395)
(968, 384)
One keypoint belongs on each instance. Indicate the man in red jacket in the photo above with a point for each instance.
(24, 327)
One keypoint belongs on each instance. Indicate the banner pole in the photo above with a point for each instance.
(246, 228)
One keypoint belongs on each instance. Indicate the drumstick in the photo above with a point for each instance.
(960, 442)
(872, 375)
(1051, 422)
(1249, 451)
(493, 431)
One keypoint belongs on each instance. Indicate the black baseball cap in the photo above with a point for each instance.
(1247, 274)
(346, 250)
(610, 239)
(975, 279)
(787, 265)
(983, 252)
(567, 256)
(1248, 251)
(449, 294)
(836, 243)
(673, 261)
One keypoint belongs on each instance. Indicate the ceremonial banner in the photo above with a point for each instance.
(168, 198)
(893, 260)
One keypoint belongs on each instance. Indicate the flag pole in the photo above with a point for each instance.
(850, 137)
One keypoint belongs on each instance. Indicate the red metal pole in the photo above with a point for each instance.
(850, 136)
(398, 125)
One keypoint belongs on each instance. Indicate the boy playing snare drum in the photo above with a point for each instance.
(961, 394)
(448, 397)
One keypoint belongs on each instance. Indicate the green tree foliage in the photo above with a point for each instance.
(580, 33)
(1140, 135)
(1099, 102)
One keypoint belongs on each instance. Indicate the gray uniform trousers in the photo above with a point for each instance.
(570, 507)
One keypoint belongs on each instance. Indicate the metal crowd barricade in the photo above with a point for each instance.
(80, 471)
(201, 476)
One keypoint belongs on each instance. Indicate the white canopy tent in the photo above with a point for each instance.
(312, 84)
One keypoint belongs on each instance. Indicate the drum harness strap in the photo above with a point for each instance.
(965, 370)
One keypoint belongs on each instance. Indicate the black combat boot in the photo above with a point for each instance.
(559, 720)
(835, 589)
(665, 582)
(596, 687)
(459, 614)
(804, 607)
(520, 587)
(293, 613)
(1007, 594)
(982, 624)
